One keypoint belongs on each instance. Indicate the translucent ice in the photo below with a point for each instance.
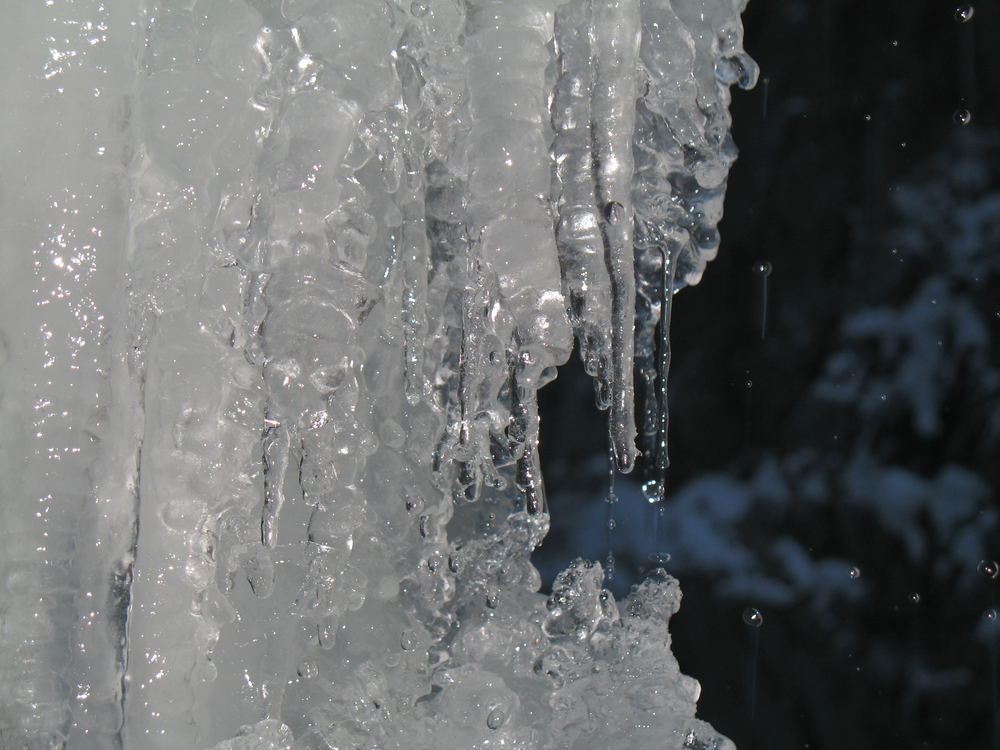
(283, 280)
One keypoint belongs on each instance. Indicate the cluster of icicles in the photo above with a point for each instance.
(359, 238)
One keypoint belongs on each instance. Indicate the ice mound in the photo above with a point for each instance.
(284, 278)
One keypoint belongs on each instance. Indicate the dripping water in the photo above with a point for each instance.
(762, 272)
(754, 619)
(754, 665)
(993, 627)
(609, 521)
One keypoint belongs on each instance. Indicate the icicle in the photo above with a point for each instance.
(276, 447)
(416, 252)
(581, 248)
(615, 31)
(524, 433)
(656, 486)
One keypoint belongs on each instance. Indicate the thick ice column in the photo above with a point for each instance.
(509, 183)
(193, 133)
(65, 72)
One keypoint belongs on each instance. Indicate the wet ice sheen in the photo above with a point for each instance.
(283, 285)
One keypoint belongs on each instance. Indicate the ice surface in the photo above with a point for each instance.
(283, 279)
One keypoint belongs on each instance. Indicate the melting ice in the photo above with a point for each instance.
(283, 278)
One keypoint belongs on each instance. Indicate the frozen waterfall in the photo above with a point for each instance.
(281, 281)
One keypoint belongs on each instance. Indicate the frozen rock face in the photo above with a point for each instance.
(283, 280)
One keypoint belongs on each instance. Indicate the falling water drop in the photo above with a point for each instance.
(915, 597)
(964, 13)
(854, 573)
(651, 490)
(496, 718)
(962, 116)
(659, 559)
(988, 568)
(763, 268)
(992, 616)
(753, 617)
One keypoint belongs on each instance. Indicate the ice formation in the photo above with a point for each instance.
(282, 279)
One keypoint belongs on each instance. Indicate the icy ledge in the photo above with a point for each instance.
(283, 280)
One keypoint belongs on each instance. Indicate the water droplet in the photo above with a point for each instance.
(307, 670)
(915, 597)
(614, 212)
(408, 640)
(762, 268)
(492, 600)
(988, 568)
(962, 116)
(868, 118)
(895, 42)
(612, 524)
(964, 13)
(496, 718)
(992, 616)
(651, 490)
(418, 8)
(748, 384)
(753, 617)
(659, 559)
(855, 573)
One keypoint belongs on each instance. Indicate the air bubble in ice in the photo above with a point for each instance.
(614, 212)
(753, 617)
(496, 718)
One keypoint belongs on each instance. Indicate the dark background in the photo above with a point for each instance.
(835, 425)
